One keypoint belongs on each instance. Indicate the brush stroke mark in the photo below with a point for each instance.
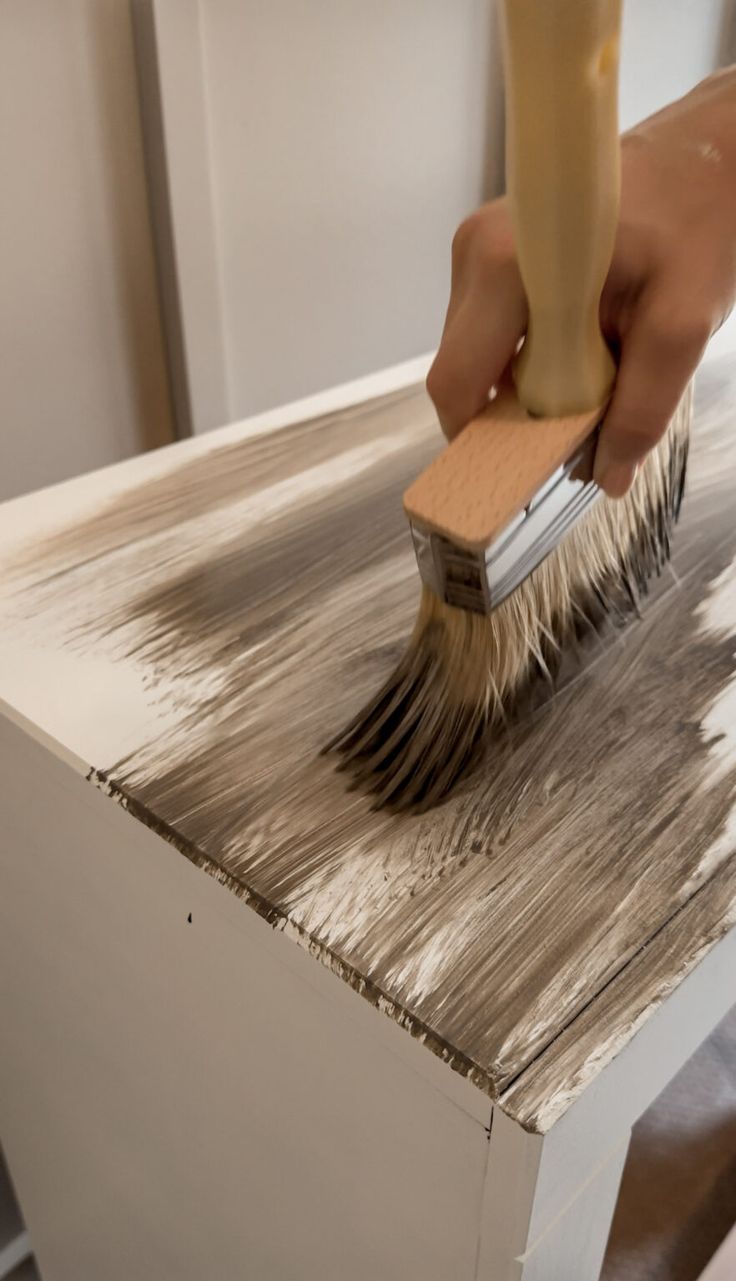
(488, 926)
(226, 477)
(543, 1092)
(463, 671)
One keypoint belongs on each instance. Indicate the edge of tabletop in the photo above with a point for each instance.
(550, 1085)
(274, 916)
(634, 1001)
(41, 736)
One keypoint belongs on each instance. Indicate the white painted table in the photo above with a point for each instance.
(251, 1030)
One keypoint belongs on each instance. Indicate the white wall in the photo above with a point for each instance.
(82, 373)
(348, 138)
(346, 141)
(341, 142)
(667, 47)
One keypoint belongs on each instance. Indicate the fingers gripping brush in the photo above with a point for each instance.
(516, 546)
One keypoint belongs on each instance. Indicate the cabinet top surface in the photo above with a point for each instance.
(191, 627)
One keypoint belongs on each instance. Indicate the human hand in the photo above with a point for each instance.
(671, 284)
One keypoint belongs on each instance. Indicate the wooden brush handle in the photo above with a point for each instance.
(562, 170)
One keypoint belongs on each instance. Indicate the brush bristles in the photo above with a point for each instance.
(462, 671)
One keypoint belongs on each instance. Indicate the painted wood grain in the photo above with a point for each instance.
(545, 1090)
(246, 600)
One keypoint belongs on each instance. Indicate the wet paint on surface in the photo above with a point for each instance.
(257, 594)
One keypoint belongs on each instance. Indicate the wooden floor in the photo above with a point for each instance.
(678, 1196)
(197, 625)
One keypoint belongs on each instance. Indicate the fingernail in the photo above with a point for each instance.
(612, 475)
(616, 479)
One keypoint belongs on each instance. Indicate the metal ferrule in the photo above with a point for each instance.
(479, 580)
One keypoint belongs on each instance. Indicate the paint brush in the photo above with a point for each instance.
(516, 546)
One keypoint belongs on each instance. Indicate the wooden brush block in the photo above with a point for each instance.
(492, 470)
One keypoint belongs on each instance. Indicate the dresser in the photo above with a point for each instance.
(253, 1030)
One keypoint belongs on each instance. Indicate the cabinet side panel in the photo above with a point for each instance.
(176, 1099)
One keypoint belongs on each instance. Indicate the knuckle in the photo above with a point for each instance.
(436, 384)
(683, 335)
(632, 432)
(465, 236)
(445, 394)
(724, 315)
(490, 255)
(633, 443)
(699, 332)
(484, 241)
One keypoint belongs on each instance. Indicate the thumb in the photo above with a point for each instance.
(659, 355)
